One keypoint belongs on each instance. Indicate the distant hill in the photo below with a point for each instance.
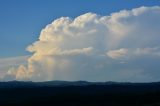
(28, 84)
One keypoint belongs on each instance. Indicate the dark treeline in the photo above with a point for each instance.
(80, 94)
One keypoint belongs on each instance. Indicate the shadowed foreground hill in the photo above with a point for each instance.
(79, 93)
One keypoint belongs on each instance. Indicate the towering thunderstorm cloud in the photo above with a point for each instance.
(124, 46)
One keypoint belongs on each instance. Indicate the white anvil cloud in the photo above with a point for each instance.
(75, 49)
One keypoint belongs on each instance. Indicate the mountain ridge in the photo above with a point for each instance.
(58, 83)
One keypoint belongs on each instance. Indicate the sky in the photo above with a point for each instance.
(80, 40)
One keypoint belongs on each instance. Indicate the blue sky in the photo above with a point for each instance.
(92, 40)
(22, 20)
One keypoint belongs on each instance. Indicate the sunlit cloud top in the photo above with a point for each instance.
(123, 46)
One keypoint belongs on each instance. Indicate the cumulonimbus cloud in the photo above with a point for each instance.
(75, 49)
